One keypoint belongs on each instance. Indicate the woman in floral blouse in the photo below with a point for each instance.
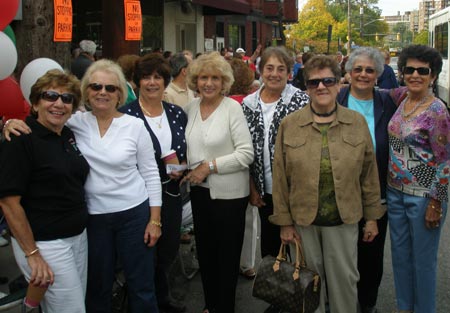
(419, 168)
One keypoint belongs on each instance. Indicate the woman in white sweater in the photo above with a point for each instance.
(219, 152)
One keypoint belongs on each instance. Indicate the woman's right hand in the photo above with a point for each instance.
(15, 127)
(41, 273)
(288, 234)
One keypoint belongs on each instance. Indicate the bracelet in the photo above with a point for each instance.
(211, 166)
(156, 223)
(32, 252)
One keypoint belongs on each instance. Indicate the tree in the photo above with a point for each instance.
(312, 28)
(421, 38)
(34, 35)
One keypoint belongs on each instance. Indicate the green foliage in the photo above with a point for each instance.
(316, 15)
(421, 38)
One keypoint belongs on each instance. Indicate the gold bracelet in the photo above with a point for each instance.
(156, 223)
(32, 252)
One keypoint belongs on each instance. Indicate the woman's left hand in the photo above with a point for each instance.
(433, 215)
(370, 231)
(176, 175)
(152, 234)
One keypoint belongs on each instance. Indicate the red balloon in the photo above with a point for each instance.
(11, 100)
(8, 9)
(19, 115)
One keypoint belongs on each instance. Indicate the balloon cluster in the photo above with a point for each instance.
(14, 100)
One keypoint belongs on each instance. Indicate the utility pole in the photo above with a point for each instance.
(361, 24)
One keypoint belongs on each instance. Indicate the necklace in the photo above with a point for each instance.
(324, 114)
(418, 104)
(152, 118)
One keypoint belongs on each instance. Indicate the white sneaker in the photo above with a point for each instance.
(3, 242)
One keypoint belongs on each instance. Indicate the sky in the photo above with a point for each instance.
(391, 7)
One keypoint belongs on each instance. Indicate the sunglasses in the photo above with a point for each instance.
(409, 70)
(359, 70)
(52, 96)
(327, 82)
(98, 87)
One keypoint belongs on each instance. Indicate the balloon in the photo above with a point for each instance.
(21, 115)
(10, 33)
(33, 71)
(12, 99)
(8, 56)
(8, 9)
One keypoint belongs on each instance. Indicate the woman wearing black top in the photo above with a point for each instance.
(42, 195)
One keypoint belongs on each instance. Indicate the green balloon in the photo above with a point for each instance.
(10, 33)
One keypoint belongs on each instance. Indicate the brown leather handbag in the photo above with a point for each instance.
(290, 286)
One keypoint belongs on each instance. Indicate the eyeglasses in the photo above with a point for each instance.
(359, 69)
(52, 96)
(409, 70)
(327, 82)
(98, 87)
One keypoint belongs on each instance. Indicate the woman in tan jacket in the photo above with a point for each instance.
(325, 180)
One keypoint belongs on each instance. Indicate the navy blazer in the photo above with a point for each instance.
(384, 108)
(177, 122)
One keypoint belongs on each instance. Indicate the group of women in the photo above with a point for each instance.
(318, 172)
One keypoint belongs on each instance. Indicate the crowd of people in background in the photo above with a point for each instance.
(327, 150)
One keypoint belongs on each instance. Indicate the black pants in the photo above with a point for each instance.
(167, 245)
(219, 231)
(270, 233)
(370, 264)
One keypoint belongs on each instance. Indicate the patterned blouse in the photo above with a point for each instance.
(419, 152)
(290, 101)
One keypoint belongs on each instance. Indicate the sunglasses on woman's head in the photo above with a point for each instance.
(360, 69)
(52, 96)
(327, 82)
(98, 87)
(409, 70)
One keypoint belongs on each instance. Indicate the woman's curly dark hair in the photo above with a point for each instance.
(424, 54)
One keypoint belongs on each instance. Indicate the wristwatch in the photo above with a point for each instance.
(211, 166)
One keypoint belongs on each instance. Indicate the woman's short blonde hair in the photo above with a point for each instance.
(210, 62)
(107, 66)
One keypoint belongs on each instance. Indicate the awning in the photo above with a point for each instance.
(230, 6)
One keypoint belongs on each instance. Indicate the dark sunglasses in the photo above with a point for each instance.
(98, 87)
(359, 70)
(409, 70)
(52, 96)
(327, 82)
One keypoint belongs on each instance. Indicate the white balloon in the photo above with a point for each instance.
(33, 71)
(8, 56)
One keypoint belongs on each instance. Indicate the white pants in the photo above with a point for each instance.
(67, 259)
(248, 253)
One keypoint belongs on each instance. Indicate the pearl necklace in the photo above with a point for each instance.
(414, 109)
(159, 124)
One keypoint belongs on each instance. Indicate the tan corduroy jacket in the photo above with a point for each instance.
(296, 168)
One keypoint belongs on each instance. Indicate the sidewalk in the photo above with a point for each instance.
(191, 293)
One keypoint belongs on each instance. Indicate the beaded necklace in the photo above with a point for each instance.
(414, 109)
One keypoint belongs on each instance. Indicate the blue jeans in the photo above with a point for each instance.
(121, 234)
(414, 251)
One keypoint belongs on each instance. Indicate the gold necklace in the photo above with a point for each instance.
(152, 118)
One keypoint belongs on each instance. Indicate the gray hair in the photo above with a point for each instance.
(88, 46)
(177, 63)
(369, 52)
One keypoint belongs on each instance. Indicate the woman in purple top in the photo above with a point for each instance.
(419, 168)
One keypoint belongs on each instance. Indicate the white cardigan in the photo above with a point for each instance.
(228, 141)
